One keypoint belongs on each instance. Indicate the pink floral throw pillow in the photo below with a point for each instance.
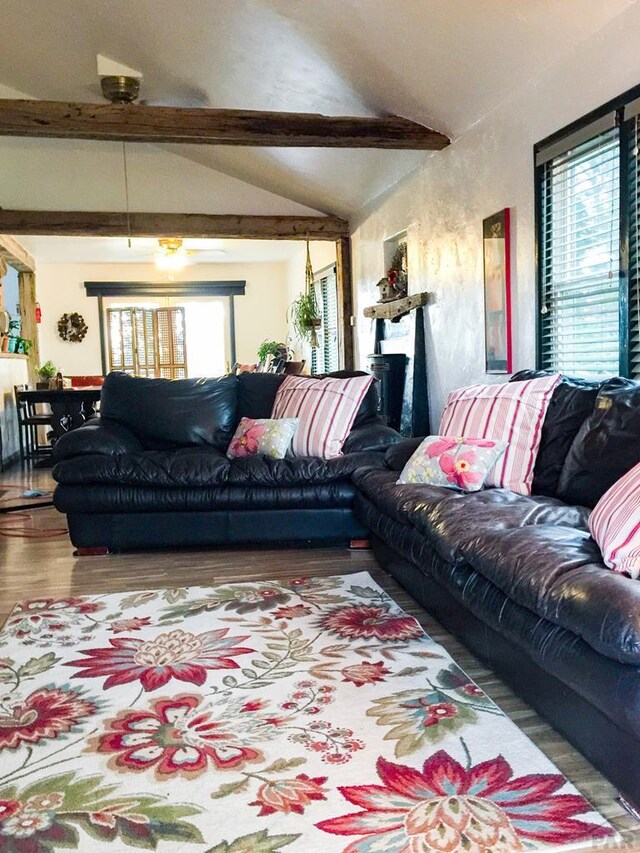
(615, 524)
(454, 461)
(268, 436)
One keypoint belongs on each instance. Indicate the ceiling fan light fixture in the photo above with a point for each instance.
(172, 255)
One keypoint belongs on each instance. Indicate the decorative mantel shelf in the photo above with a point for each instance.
(395, 308)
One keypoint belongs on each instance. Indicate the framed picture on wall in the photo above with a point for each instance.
(497, 291)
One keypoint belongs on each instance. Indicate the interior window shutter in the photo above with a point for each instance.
(171, 344)
(579, 255)
(145, 342)
(120, 332)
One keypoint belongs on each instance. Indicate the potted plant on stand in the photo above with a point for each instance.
(304, 312)
(278, 350)
(14, 335)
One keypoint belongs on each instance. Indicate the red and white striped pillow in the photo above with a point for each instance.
(326, 409)
(513, 412)
(615, 524)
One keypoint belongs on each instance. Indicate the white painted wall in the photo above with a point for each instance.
(260, 313)
(443, 203)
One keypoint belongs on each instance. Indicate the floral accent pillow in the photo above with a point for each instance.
(268, 436)
(455, 461)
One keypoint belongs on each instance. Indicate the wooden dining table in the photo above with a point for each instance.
(70, 407)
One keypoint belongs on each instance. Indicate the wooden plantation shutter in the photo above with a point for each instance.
(171, 344)
(147, 342)
(120, 335)
(145, 355)
(580, 251)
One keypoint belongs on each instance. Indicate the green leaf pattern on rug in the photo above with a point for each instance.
(48, 812)
(255, 842)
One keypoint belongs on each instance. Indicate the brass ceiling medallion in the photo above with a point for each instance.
(120, 89)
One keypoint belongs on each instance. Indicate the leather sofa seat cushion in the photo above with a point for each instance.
(571, 404)
(606, 447)
(114, 498)
(179, 412)
(557, 573)
(455, 520)
(609, 685)
(204, 467)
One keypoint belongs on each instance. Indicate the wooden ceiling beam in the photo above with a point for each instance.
(143, 123)
(16, 254)
(75, 223)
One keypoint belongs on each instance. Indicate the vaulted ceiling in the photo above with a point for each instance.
(444, 63)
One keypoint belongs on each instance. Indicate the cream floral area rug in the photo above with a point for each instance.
(308, 715)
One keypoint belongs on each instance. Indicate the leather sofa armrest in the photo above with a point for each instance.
(371, 436)
(397, 456)
(97, 436)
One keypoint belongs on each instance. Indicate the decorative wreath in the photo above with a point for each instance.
(72, 327)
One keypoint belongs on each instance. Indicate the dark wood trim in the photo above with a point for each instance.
(143, 123)
(164, 288)
(344, 283)
(232, 331)
(78, 223)
(103, 346)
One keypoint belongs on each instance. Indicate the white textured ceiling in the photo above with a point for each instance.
(104, 250)
(445, 63)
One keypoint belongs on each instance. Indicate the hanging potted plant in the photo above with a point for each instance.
(304, 313)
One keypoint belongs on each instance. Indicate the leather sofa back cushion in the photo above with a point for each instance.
(606, 447)
(571, 404)
(177, 411)
(257, 394)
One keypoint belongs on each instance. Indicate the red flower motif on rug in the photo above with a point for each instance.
(448, 808)
(365, 673)
(48, 620)
(135, 623)
(176, 737)
(289, 795)
(177, 654)
(44, 714)
(365, 621)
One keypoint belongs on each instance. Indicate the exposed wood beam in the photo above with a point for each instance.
(74, 223)
(344, 282)
(15, 254)
(142, 123)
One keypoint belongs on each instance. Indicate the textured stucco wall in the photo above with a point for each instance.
(442, 205)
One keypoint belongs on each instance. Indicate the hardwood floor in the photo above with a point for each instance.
(46, 566)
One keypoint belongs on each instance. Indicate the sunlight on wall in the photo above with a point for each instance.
(206, 327)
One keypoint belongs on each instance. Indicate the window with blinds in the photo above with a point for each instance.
(326, 357)
(147, 342)
(580, 253)
(633, 183)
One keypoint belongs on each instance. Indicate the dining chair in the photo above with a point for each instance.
(29, 421)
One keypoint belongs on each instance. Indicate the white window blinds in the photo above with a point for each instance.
(580, 250)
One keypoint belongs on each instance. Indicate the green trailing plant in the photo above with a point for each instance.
(47, 371)
(304, 313)
(14, 329)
